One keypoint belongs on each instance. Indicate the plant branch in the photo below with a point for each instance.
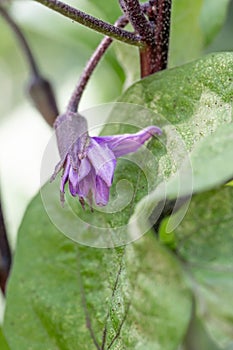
(5, 254)
(92, 22)
(143, 26)
(22, 41)
(90, 66)
(154, 32)
(135, 15)
(122, 5)
(94, 60)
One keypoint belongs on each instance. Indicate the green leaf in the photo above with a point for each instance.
(67, 296)
(204, 242)
(193, 104)
(208, 165)
(3, 343)
(212, 18)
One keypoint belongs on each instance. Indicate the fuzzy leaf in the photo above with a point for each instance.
(67, 296)
(193, 104)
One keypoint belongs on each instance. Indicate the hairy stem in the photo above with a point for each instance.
(143, 26)
(135, 15)
(90, 66)
(154, 32)
(5, 254)
(122, 5)
(92, 22)
(22, 41)
(161, 17)
(94, 60)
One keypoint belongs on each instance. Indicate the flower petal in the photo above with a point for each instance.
(102, 192)
(73, 181)
(127, 143)
(86, 185)
(84, 168)
(102, 160)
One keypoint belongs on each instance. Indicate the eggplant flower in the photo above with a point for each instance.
(89, 162)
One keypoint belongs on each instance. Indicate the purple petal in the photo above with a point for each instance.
(102, 192)
(127, 143)
(73, 181)
(87, 185)
(103, 161)
(84, 169)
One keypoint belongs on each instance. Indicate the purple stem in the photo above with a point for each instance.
(161, 17)
(94, 60)
(154, 32)
(135, 15)
(90, 66)
(92, 22)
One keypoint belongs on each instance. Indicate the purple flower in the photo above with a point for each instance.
(89, 163)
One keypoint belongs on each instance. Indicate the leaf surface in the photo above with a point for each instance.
(67, 296)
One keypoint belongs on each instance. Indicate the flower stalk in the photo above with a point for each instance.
(90, 67)
(94, 60)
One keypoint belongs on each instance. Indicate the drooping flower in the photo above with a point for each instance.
(89, 162)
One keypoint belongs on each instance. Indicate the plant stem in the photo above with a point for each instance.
(96, 57)
(22, 41)
(138, 20)
(161, 17)
(135, 15)
(5, 254)
(94, 60)
(154, 32)
(90, 66)
(92, 22)
(122, 5)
